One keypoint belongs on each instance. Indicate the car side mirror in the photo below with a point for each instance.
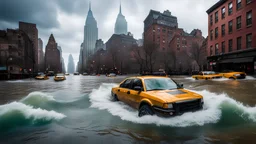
(138, 88)
(180, 85)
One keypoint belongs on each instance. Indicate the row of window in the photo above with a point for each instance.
(230, 10)
(230, 45)
(230, 25)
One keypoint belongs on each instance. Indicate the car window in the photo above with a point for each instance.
(160, 84)
(137, 82)
(126, 83)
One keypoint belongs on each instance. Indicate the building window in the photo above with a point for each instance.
(248, 1)
(211, 20)
(249, 18)
(230, 8)
(216, 49)
(216, 32)
(223, 30)
(230, 26)
(210, 50)
(211, 34)
(230, 45)
(238, 22)
(223, 47)
(248, 40)
(223, 10)
(239, 43)
(216, 17)
(238, 4)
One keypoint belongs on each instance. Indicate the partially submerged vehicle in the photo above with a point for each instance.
(76, 73)
(233, 74)
(42, 77)
(156, 95)
(60, 77)
(207, 75)
(111, 75)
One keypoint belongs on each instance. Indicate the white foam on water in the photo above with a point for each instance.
(189, 78)
(101, 98)
(19, 81)
(29, 112)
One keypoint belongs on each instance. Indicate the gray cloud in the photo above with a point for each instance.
(42, 13)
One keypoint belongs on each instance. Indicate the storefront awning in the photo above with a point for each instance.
(237, 60)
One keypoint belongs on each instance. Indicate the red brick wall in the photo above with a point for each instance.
(236, 33)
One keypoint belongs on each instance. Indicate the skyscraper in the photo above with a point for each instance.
(121, 23)
(71, 64)
(90, 35)
(52, 56)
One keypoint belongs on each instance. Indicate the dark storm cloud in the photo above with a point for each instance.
(41, 12)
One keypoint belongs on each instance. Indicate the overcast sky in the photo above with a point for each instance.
(66, 18)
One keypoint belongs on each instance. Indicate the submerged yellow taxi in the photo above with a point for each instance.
(233, 75)
(207, 75)
(156, 95)
(42, 77)
(60, 77)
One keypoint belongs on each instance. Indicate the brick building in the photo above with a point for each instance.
(232, 29)
(159, 28)
(52, 56)
(181, 49)
(118, 48)
(16, 52)
(32, 32)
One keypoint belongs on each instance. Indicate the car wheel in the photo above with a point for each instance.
(196, 78)
(115, 98)
(145, 110)
(206, 78)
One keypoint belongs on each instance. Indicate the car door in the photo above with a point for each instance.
(123, 90)
(133, 96)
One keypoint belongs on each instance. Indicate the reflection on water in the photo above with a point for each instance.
(79, 110)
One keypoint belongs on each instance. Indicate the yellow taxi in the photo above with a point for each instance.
(233, 75)
(156, 95)
(42, 77)
(207, 75)
(59, 77)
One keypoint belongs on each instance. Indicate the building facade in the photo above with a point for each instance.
(159, 28)
(232, 29)
(99, 45)
(52, 56)
(71, 64)
(90, 36)
(40, 56)
(183, 52)
(16, 52)
(121, 23)
(31, 30)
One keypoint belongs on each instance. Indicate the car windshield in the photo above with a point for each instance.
(60, 74)
(160, 84)
(209, 73)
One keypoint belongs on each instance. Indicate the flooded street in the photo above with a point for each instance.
(80, 110)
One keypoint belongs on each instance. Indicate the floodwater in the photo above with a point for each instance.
(79, 110)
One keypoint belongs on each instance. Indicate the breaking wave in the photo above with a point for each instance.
(218, 109)
(28, 111)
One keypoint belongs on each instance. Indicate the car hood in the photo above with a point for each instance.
(170, 96)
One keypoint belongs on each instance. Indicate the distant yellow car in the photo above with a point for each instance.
(207, 75)
(156, 95)
(234, 75)
(42, 77)
(60, 77)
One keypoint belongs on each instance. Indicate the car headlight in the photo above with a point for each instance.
(236, 75)
(170, 106)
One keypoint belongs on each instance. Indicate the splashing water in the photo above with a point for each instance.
(215, 110)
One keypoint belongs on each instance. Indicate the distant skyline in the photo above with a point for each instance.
(66, 18)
